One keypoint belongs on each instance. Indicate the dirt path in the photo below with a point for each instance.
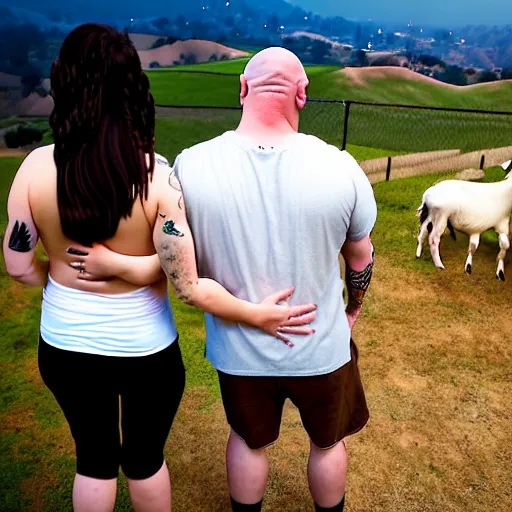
(12, 152)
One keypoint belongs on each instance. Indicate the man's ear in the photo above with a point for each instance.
(244, 89)
(302, 96)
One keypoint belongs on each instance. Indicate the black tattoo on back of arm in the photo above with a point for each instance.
(20, 240)
(357, 285)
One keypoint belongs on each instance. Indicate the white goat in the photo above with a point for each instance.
(470, 208)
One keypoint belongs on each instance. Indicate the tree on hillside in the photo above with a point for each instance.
(320, 50)
(506, 74)
(159, 43)
(189, 58)
(430, 61)
(164, 41)
(487, 76)
(452, 75)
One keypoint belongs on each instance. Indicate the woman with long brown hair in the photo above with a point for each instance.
(108, 347)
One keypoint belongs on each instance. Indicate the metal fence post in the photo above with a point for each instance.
(388, 170)
(345, 125)
(482, 162)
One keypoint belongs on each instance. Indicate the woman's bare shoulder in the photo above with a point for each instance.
(38, 163)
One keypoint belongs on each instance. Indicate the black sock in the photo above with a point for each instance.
(239, 507)
(338, 508)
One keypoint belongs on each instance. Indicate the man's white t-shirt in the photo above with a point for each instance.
(265, 219)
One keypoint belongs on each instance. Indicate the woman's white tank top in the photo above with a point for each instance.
(133, 324)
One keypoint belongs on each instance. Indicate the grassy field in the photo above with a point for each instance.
(435, 356)
(399, 130)
(236, 67)
(426, 130)
(170, 86)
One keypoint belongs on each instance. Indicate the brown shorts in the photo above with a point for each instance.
(331, 406)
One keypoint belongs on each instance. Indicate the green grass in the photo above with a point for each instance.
(172, 87)
(398, 130)
(236, 67)
(361, 153)
(424, 130)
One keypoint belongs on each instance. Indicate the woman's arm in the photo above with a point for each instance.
(21, 235)
(175, 246)
(99, 263)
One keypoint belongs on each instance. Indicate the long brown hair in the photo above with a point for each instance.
(103, 126)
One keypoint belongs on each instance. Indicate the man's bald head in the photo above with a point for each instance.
(272, 60)
(277, 75)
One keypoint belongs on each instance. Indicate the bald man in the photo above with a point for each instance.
(268, 208)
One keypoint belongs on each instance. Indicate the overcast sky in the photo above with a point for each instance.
(445, 12)
(421, 12)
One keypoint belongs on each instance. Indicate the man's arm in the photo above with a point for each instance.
(359, 260)
(21, 235)
(358, 250)
(175, 246)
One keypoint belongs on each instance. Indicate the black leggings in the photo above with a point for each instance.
(92, 390)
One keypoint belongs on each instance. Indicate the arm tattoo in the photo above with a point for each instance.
(175, 184)
(171, 229)
(357, 285)
(20, 240)
(174, 265)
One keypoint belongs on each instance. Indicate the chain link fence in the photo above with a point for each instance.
(415, 129)
(397, 128)
(391, 140)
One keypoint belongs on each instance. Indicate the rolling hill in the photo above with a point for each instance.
(194, 49)
(402, 86)
(379, 85)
